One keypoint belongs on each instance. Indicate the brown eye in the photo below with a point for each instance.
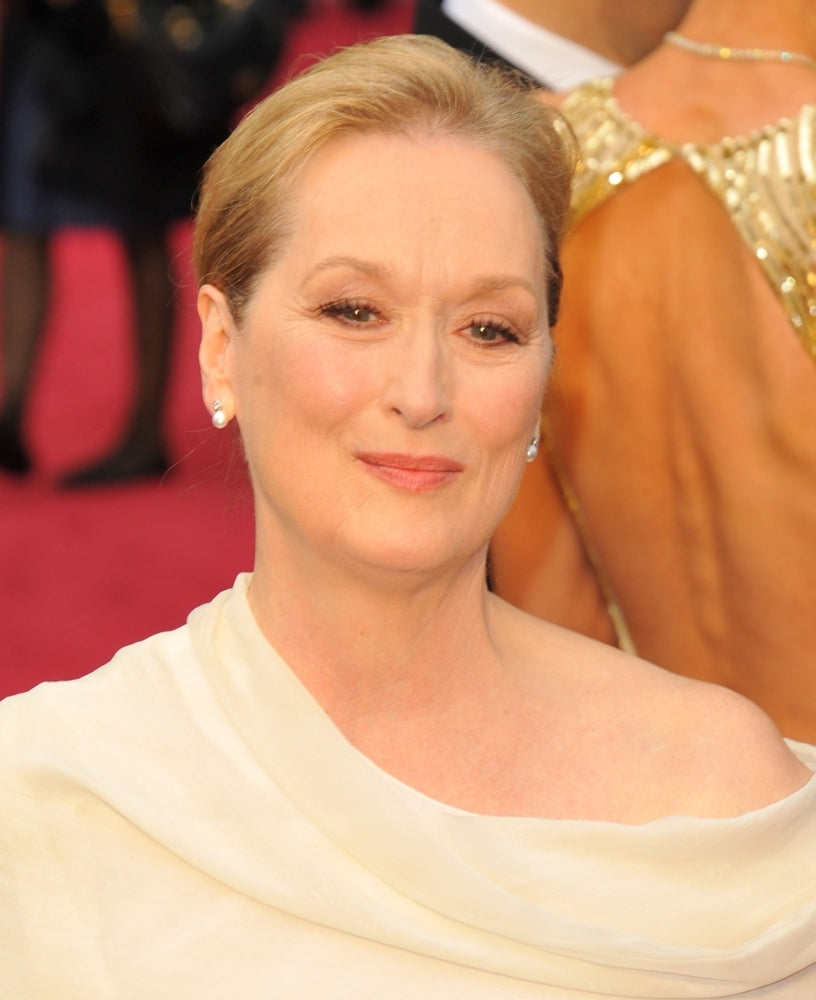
(491, 333)
(359, 314)
(483, 332)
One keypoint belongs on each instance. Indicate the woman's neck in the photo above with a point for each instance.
(364, 641)
(722, 97)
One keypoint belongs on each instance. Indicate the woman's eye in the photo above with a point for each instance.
(354, 313)
(491, 333)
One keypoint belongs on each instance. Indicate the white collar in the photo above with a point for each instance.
(552, 60)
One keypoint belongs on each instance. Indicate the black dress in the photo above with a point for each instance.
(79, 141)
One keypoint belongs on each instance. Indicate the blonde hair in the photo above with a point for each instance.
(400, 84)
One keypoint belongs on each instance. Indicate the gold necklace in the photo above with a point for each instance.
(748, 55)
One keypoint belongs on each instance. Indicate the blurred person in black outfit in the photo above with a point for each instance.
(84, 141)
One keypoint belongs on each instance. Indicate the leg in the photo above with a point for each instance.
(141, 451)
(154, 305)
(26, 287)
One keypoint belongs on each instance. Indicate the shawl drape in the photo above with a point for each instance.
(187, 821)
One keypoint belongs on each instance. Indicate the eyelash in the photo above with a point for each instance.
(341, 308)
(336, 310)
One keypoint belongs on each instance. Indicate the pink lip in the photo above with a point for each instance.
(415, 473)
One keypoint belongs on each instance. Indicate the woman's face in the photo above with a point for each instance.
(388, 376)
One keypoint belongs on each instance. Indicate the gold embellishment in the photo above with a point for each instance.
(766, 181)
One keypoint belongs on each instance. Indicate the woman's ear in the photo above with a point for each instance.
(217, 332)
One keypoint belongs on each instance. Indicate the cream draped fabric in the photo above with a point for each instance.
(187, 822)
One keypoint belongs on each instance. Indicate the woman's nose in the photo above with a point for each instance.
(418, 381)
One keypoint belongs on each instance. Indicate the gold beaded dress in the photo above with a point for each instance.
(680, 517)
(766, 181)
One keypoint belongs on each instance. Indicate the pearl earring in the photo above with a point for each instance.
(219, 418)
(532, 450)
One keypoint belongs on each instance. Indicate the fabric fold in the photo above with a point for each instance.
(199, 754)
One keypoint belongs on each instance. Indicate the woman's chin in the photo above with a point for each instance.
(404, 553)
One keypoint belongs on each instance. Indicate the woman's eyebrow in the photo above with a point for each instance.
(353, 263)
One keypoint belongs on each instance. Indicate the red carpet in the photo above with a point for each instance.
(83, 573)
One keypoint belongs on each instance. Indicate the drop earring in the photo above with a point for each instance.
(219, 418)
(532, 449)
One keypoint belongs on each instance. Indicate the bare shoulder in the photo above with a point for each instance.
(647, 742)
(732, 752)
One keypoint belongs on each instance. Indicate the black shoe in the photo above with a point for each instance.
(14, 457)
(120, 467)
